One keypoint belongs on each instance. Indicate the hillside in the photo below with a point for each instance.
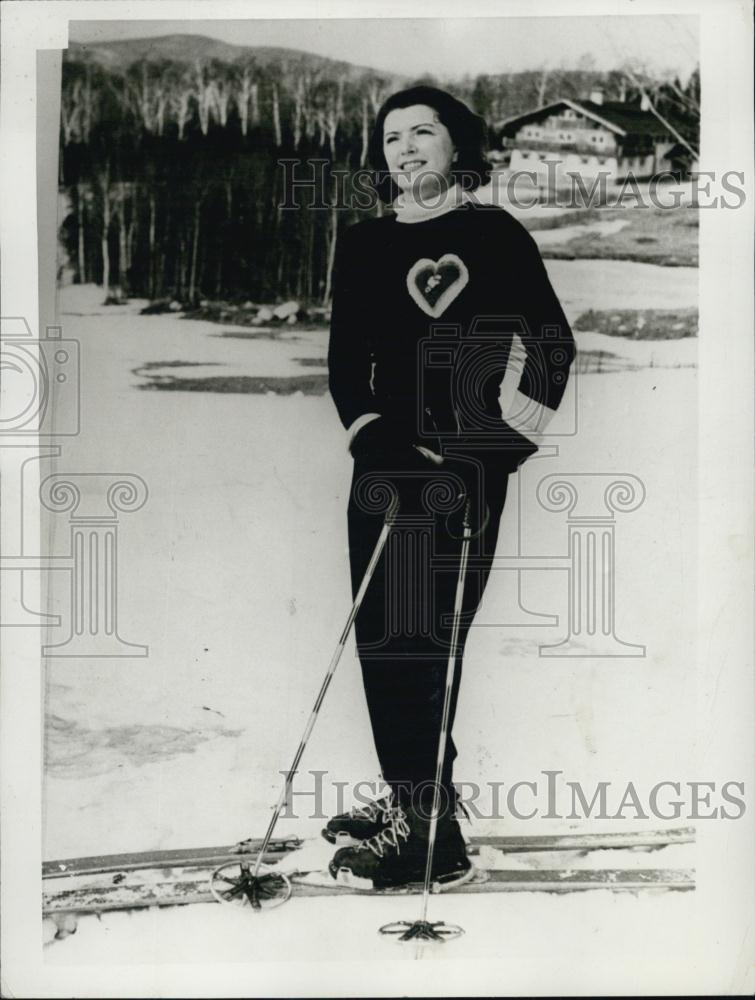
(118, 55)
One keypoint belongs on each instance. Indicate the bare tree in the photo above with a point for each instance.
(80, 100)
(377, 89)
(182, 97)
(330, 112)
(687, 100)
(365, 131)
(331, 259)
(277, 116)
(194, 247)
(300, 96)
(222, 88)
(164, 84)
(71, 110)
(204, 92)
(152, 232)
(123, 201)
(140, 93)
(650, 90)
(247, 94)
(542, 84)
(103, 179)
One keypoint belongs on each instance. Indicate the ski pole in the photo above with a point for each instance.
(387, 525)
(421, 929)
(443, 740)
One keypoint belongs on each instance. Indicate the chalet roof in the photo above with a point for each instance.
(628, 117)
(621, 118)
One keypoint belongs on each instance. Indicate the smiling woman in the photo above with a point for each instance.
(423, 140)
(426, 305)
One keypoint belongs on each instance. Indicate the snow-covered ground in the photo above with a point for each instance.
(543, 940)
(549, 237)
(235, 574)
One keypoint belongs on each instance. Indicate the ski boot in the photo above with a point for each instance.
(397, 855)
(360, 823)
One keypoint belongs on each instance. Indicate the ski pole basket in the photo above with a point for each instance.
(240, 883)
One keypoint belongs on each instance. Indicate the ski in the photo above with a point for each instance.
(206, 856)
(174, 878)
(176, 887)
(589, 841)
(186, 858)
(517, 880)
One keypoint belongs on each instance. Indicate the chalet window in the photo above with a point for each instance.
(585, 159)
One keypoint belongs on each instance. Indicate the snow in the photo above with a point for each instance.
(235, 573)
(646, 353)
(524, 929)
(549, 237)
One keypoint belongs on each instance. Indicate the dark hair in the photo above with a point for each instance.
(467, 130)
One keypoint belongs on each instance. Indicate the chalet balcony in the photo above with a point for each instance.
(557, 146)
(632, 147)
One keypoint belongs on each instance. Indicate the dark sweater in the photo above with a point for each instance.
(427, 344)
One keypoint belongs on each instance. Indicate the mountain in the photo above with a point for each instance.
(118, 55)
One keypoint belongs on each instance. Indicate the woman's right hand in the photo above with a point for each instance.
(377, 438)
(432, 456)
(388, 442)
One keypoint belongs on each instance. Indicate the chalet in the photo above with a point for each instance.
(588, 138)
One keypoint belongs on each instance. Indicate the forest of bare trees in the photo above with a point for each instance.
(172, 177)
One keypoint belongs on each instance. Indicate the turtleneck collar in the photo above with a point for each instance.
(409, 210)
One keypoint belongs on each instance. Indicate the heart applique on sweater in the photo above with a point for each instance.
(435, 284)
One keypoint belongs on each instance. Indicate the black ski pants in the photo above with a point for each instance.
(403, 629)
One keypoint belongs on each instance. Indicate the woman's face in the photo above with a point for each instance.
(418, 149)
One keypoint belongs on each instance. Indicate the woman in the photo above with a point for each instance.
(426, 305)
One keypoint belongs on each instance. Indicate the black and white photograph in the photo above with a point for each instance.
(377, 494)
